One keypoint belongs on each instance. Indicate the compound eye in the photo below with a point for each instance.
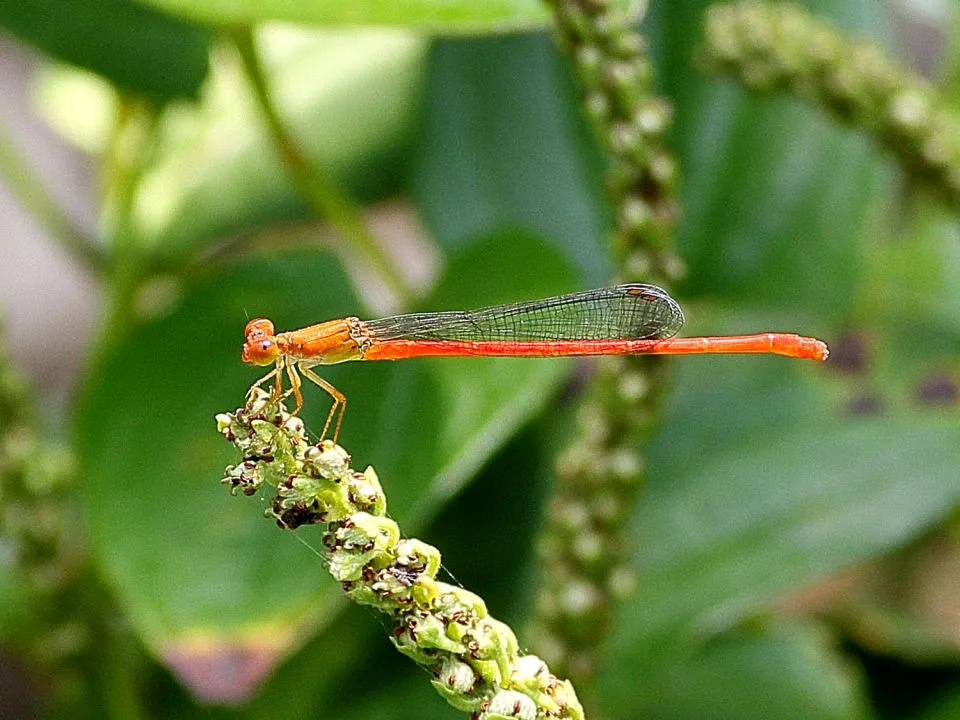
(258, 328)
(260, 346)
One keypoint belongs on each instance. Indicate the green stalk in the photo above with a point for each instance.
(315, 184)
(130, 152)
(20, 178)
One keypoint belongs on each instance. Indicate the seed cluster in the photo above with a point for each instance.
(474, 659)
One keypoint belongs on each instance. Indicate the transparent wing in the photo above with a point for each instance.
(625, 312)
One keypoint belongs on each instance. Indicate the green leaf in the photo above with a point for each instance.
(194, 570)
(504, 146)
(775, 195)
(350, 99)
(151, 458)
(946, 706)
(142, 51)
(783, 671)
(484, 400)
(404, 696)
(323, 674)
(441, 16)
(775, 510)
(14, 603)
(911, 294)
(756, 489)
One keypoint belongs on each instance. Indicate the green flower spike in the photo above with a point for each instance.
(781, 46)
(584, 548)
(474, 659)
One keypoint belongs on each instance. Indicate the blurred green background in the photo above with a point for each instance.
(796, 542)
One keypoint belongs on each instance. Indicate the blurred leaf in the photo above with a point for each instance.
(80, 105)
(504, 146)
(314, 681)
(718, 403)
(784, 671)
(944, 707)
(775, 510)
(755, 490)
(775, 195)
(151, 457)
(14, 605)
(141, 50)
(911, 294)
(351, 99)
(502, 508)
(446, 16)
(406, 695)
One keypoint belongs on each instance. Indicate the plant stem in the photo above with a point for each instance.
(315, 184)
(584, 557)
(28, 188)
(129, 154)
